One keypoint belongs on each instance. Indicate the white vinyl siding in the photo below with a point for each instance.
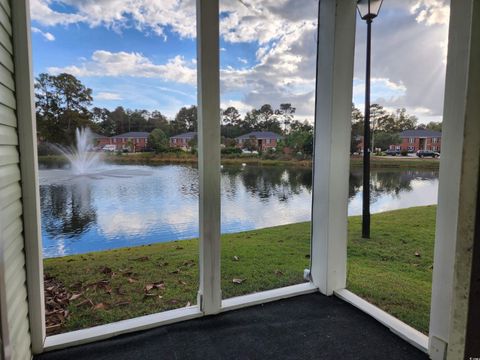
(10, 198)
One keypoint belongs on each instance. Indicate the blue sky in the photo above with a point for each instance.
(142, 53)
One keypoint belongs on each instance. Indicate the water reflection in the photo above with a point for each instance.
(83, 214)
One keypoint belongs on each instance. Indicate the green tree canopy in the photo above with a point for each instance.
(62, 103)
(158, 141)
(185, 120)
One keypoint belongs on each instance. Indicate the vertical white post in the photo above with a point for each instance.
(459, 168)
(208, 65)
(336, 44)
(28, 160)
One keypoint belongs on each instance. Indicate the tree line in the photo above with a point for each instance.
(63, 104)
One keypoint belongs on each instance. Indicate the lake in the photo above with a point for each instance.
(126, 205)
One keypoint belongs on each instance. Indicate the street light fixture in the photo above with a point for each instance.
(368, 10)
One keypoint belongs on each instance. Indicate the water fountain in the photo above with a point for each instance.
(83, 160)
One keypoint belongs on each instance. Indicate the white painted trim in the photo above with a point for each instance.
(406, 332)
(28, 165)
(208, 74)
(335, 58)
(267, 296)
(102, 332)
(458, 161)
(468, 113)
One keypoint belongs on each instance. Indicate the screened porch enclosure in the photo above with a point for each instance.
(22, 310)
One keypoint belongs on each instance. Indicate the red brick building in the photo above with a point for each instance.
(264, 140)
(132, 141)
(420, 139)
(182, 140)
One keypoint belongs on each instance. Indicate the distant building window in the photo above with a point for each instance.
(411, 140)
(435, 140)
(174, 141)
(434, 148)
(411, 148)
(397, 147)
(268, 141)
(114, 140)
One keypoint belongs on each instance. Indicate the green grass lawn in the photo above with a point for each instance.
(391, 270)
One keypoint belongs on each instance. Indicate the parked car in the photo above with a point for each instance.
(109, 148)
(427, 153)
(392, 152)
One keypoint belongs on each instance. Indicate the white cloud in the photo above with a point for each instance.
(105, 95)
(431, 12)
(105, 63)
(408, 53)
(242, 60)
(150, 15)
(48, 36)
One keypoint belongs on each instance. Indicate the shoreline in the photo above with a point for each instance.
(181, 158)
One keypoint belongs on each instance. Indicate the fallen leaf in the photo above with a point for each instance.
(159, 285)
(417, 254)
(181, 282)
(75, 296)
(100, 306)
(238, 281)
(120, 291)
(236, 258)
(278, 273)
(149, 287)
(131, 280)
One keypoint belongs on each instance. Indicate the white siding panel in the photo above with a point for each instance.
(16, 291)
(5, 39)
(7, 116)
(11, 194)
(6, 59)
(5, 4)
(8, 134)
(5, 21)
(8, 155)
(8, 195)
(8, 175)
(6, 77)
(7, 96)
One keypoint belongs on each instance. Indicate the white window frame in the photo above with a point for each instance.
(336, 36)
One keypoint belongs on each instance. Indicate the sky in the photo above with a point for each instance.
(141, 54)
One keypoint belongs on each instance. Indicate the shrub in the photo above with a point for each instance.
(404, 153)
(231, 150)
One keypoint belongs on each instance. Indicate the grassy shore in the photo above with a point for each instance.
(391, 270)
(187, 158)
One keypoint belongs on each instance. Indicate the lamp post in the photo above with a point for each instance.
(368, 10)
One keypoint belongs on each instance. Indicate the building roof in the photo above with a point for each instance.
(187, 135)
(261, 135)
(420, 133)
(133, 134)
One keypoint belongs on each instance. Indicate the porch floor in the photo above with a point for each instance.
(304, 327)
